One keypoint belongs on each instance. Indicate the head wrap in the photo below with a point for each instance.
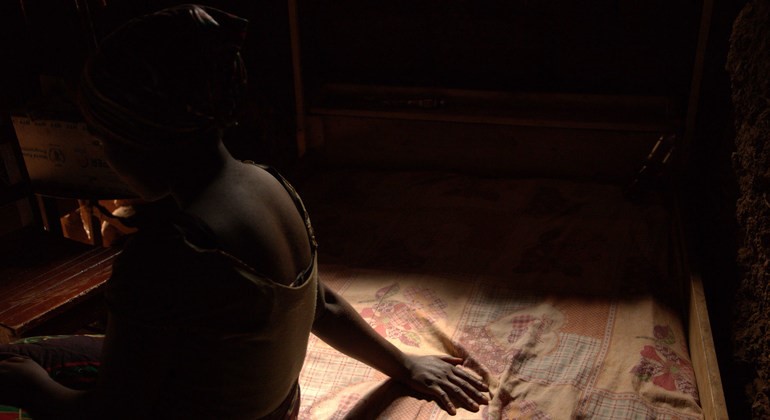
(171, 76)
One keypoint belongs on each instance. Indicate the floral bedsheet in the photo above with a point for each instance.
(560, 294)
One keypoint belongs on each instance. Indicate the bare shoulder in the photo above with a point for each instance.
(255, 219)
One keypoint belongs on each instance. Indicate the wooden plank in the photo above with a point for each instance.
(574, 121)
(700, 336)
(299, 93)
(337, 91)
(697, 77)
(703, 354)
(485, 149)
(580, 111)
(45, 276)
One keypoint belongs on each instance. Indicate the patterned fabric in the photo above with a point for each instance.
(12, 413)
(558, 293)
(171, 75)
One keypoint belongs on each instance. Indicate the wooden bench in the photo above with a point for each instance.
(44, 275)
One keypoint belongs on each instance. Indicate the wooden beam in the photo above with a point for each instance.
(296, 61)
(697, 77)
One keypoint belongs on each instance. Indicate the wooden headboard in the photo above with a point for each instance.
(515, 88)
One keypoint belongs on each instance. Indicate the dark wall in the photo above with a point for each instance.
(17, 78)
(604, 46)
(749, 68)
(610, 46)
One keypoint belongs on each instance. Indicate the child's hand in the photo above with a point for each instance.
(450, 385)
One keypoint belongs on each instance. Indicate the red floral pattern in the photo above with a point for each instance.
(403, 315)
(663, 366)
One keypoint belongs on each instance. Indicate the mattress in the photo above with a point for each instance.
(562, 295)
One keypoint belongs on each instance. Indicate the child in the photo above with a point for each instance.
(210, 309)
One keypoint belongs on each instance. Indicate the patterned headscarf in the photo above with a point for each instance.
(166, 77)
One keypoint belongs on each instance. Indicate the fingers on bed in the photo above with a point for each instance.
(444, 400)
(470, 378)
(467, 393)
(452, 360)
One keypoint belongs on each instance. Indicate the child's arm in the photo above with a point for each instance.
(340, 325)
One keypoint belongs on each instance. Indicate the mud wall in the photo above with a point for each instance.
(748, 64)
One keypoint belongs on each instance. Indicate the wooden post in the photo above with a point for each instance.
(697, 77)
(299, 97)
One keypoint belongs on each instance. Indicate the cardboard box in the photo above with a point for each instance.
(64, 160)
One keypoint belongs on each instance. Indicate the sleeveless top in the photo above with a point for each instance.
(238, 338)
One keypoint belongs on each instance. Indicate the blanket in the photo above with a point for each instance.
(560, 294)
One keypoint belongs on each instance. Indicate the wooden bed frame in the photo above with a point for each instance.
(575, 148)
(516, 134)
(700, 338)
(702, 353)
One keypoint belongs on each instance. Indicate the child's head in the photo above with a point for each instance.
(166, 79)
(162, 88)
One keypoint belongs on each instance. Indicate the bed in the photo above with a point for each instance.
(536, 230)
(563, 295)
